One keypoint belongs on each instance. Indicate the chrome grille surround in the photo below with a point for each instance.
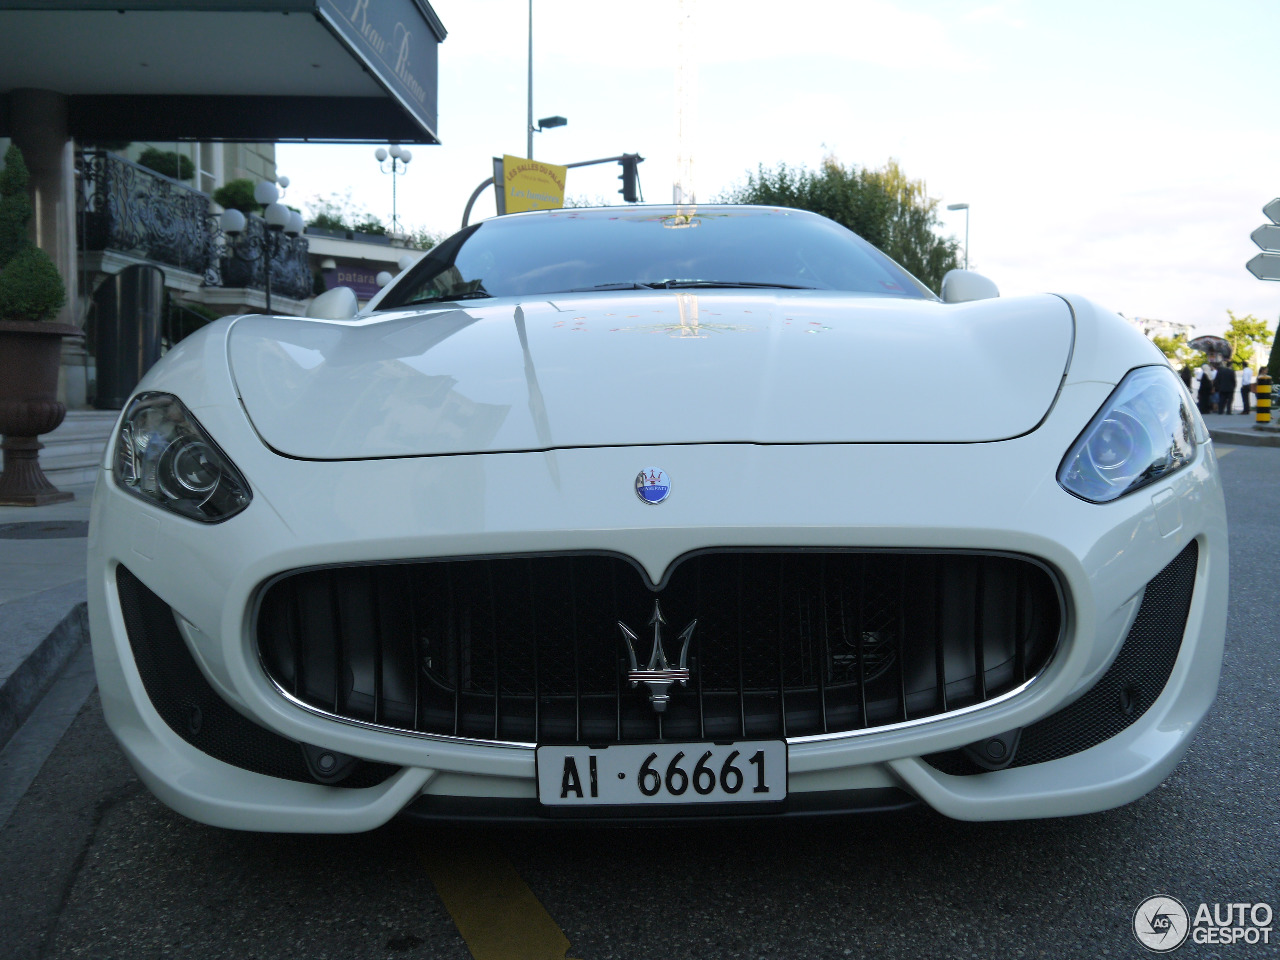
(465, 623)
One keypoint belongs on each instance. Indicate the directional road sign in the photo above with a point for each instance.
(1272, 210)
(1267, 237)
(1265, 266)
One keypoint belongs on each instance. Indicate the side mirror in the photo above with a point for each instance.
(336, 304)
(959, 286)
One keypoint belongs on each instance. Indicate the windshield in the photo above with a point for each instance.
(623, 248)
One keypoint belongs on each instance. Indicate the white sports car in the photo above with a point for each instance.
(658, 513)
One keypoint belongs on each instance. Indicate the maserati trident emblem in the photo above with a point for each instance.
(653, 485)
(658, 674)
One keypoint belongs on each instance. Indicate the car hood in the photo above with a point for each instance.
(651, 368)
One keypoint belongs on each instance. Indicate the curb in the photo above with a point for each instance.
(54, 633)
(1247, 438)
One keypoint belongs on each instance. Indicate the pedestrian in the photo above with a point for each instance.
(1204, 394)
(1224, 385)
(1186, 375)
(1246, 387)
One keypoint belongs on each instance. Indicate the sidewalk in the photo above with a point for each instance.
(42, 600)
(1235, 428)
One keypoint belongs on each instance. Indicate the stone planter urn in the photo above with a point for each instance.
(30, 354)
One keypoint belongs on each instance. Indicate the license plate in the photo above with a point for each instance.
(651, 773)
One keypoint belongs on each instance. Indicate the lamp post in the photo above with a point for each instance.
(279, 220)
(397, 155)
(546, 123)
(529, 151)
(965, 208)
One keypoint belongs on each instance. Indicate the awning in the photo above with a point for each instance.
(273, 70)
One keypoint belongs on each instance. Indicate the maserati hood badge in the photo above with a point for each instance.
(658, 674)
(653, 485)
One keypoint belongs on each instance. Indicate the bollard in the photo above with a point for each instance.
(1262, 398)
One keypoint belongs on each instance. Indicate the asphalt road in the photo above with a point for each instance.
(92, 866)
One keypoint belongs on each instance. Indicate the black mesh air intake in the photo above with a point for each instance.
(1133, 681)
(1131, 684)
(188, 704)
(787, 643)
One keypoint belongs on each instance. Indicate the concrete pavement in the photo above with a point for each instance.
(1244, 430)
(42, 600)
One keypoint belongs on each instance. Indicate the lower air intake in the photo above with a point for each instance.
(188, 704)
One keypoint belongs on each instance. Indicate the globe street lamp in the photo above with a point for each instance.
(280, 220)
(397, 155)
(965, 208)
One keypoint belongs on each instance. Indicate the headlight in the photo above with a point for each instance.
(1145, 431)
(164, 456)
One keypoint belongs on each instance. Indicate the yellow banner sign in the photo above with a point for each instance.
(530, 185)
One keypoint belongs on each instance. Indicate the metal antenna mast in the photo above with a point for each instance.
(686, 101)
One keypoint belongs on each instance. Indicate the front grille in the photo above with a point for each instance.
(787, 643)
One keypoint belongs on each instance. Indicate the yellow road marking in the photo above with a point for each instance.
(1223, 451)
(494, 910)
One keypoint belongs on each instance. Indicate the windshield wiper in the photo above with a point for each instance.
(685, 284)
(449, 298)
(621, 285)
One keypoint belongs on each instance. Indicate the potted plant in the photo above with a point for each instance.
(167, 163)
(31, 293)
(370, 229)
(329, 224)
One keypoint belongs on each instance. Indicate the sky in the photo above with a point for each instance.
(1122, 150)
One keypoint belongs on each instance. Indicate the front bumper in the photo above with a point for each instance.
(913, 497)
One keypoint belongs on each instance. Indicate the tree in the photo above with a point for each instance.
(885, 207)
(1242, 333)
(1176, 349)
(1273, 363)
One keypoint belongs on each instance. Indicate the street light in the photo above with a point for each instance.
(279, 220)
(529, 150)
(397, 155)
(545, 122)
(965, 208)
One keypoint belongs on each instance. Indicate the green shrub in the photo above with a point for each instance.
(423, 239)
(168, 163)
(15, 205)
(31, 287)
(237, 195)
(368, 223)
(328, 221)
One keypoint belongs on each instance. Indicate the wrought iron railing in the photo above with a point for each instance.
(242, 262)
(128, 208)
(131, 209)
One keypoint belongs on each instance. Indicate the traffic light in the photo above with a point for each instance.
(629, 177)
